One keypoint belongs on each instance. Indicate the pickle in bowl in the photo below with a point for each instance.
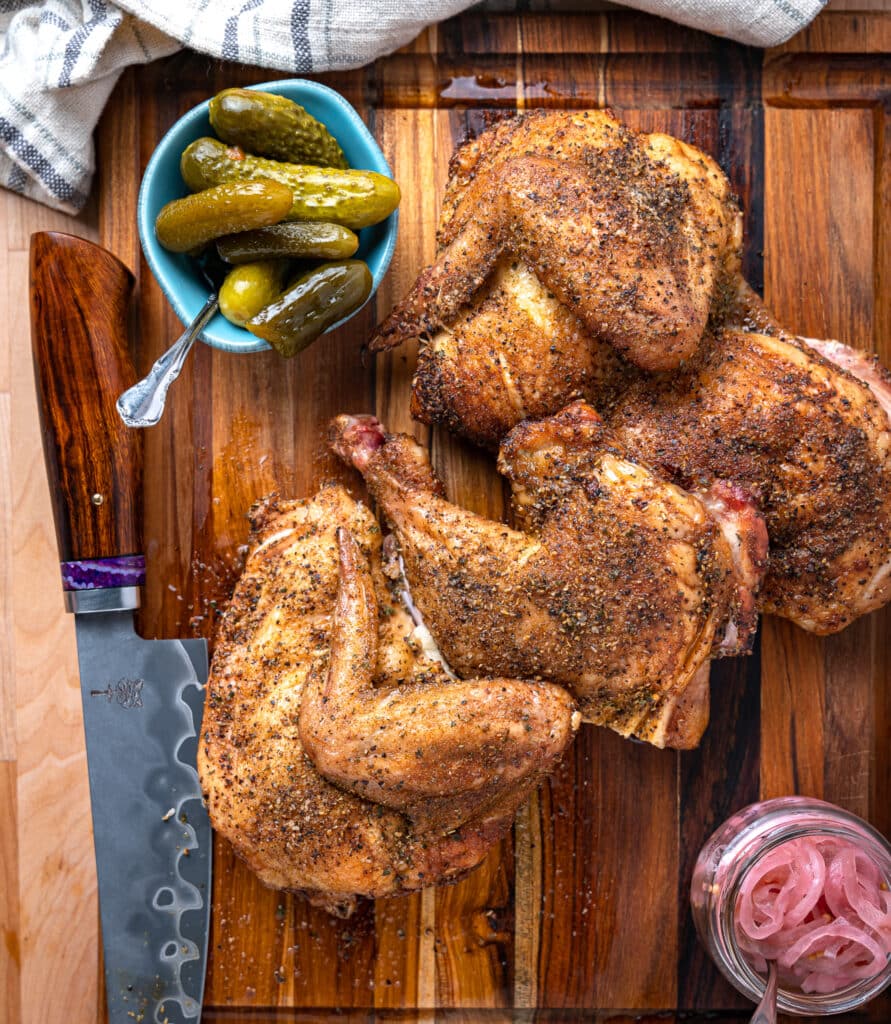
(355, 199)
(184, 225)
(311, 304)
(273, 126)
(250, 288)
(298, 240)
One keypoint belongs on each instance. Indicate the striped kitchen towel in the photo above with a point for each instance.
(60, 59)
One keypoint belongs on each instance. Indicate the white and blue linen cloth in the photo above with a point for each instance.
(60, 59)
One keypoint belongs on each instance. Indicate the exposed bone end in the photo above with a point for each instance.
(355, 438)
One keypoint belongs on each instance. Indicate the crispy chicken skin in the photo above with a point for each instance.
(442, 751)
(808, 437)
(617, 585)
(516, 352)
(636, 234)
(800, 423)
(294, 828)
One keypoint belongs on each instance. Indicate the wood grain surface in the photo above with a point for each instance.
(81, 364)
(582, 913)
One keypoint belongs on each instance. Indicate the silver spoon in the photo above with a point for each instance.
(143, 404)
(766, 1010)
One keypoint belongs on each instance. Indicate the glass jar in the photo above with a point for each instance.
(727, 857)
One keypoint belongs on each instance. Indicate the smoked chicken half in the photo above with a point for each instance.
(336, 757)
(617, 585)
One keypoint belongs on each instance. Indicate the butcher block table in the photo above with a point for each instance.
(582, 912)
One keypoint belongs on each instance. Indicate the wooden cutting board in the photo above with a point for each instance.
(585, 906)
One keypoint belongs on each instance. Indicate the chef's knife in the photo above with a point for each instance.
(142, 699)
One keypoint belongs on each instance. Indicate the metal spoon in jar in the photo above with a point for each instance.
(766, 1010)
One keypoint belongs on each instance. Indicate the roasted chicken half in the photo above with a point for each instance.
(636, 234)
(659, 251)
(337, 758)
(617, 585)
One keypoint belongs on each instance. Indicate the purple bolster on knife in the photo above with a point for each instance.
(102, 573)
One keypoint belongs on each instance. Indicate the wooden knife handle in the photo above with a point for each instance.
(79, 299)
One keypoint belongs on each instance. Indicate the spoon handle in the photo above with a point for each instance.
(143, 404)
(766, 1010)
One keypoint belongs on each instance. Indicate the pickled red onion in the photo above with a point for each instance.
(820, 908)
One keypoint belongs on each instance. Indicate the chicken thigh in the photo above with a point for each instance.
(291, 705)
(805, 435)
(618, 585)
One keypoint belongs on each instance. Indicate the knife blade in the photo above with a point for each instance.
(142, 699)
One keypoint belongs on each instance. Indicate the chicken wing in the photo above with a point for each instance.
(636, 234)
(294, 828)
(618, 585)
(441, 750)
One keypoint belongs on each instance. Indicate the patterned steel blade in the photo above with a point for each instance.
(142, 703)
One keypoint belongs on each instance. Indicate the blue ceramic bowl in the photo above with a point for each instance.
(177, 274)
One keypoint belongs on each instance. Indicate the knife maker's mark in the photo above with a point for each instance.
(127, 692)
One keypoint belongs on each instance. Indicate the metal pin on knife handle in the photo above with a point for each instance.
(143, 404)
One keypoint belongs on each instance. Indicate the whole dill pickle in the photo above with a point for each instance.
(250, 288)
(189, 223)
(311, 304)
(353, 198)
(275, 127)
(294, 240)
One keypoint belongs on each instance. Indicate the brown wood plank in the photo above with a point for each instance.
(818, 694)
(473, 925)
(405, 965)
(840, 80)
(857, 32)
(715, 781)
